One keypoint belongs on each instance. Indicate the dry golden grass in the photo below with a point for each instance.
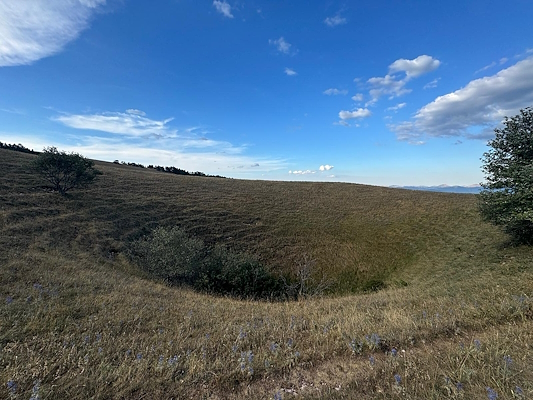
(80, 320)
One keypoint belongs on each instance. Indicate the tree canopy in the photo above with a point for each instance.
(65, 171)
(507, 195)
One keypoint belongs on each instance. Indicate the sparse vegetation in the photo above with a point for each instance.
(507, 198)
(79, 320)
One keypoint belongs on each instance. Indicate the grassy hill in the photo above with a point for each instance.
(82, 321)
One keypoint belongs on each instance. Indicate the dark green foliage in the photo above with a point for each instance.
(374, 285)
(63, 170)
(172, 255)
(16, 147)
(507, 198)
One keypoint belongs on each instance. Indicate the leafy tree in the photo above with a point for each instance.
(63, 170)
(507, 198)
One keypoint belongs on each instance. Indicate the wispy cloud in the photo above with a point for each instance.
(358, 97)
(397, 107)
(281, 45)
(502, 61)
(290, 72)
(188, 148)
(302, 172)
(223, 8)
(432, 84)
(131, 123)
(472, 111)
(34, 29)
(335, 92)
(13, 111)
(335, 20)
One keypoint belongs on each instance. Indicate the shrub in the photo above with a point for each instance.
(172, 255)
(63, 170)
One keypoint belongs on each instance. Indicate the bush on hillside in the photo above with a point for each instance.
(507, 198)
(63, 170)
(172, 255)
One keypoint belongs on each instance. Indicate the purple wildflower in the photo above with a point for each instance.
(491, 394)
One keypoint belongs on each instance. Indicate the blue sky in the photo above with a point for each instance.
(380, 92)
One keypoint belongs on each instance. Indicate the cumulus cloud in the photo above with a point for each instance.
(416, 67)
(335, 92)
(334, 21)
(326, 167)
(359, 113)
(358, 97)
(131, 123)
(34, 29)
(223, 8)
(290, 72)
(472, 111)
(393, 84)
(387, 85)
(281, 44)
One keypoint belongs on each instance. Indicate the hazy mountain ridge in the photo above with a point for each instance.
(474, 189)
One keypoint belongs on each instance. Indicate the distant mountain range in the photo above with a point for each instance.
(444, 188)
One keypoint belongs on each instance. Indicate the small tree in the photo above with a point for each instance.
(63, 170)
(507, 198)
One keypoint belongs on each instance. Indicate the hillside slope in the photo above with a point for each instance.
(78, 320)
(354, 233)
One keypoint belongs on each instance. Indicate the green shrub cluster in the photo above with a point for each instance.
(172, 255)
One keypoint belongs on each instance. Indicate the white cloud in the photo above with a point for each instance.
(189, 153)
(223, 8)
(334, 21)
(326, 167)
(131, 123)
(300, 172)
(394, 86)
(432, 84)
(281, 44)
(358, 97)
(136, 112)
(486, 67)
(290, 72)
(359, 113)
(397, 107)
(335, 92)
(473, 110)
(34, 29)
(387, 85)
(416, 67)
(502, 61)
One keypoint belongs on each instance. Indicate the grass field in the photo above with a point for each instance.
(78, 320)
